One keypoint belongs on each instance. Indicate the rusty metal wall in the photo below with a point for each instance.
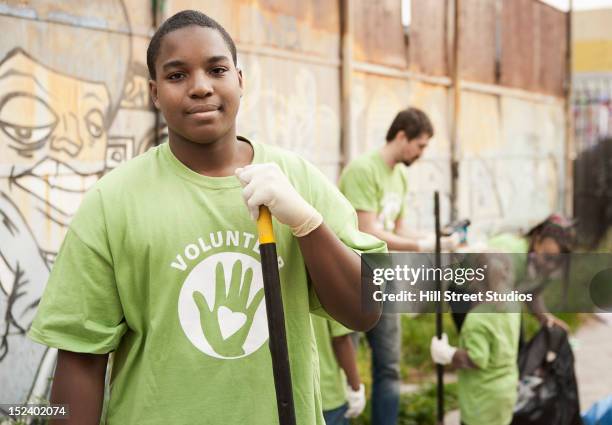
(477, 42)
(518, 25)
(378, 33)
(511, 142)
(428, 52)
(533, 47)
(552, 50)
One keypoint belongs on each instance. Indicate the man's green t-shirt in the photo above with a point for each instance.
(333, 380)
(487, 395)
(371, 185)
(161, 265)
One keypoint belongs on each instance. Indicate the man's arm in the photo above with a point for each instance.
(402, 239)
(335, 271)
(79, 383)
(367, 224)
(402, 230)
(345, 355)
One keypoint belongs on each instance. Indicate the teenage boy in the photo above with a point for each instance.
(161, 264)
(375, 184)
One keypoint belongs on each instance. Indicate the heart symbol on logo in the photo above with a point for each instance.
(229, 321)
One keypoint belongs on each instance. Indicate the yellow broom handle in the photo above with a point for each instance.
(264, 226)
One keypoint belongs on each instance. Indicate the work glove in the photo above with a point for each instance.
(265, 184)
(447, 243)
(441, 352)
(356, 401)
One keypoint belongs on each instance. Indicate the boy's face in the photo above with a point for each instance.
(197, 87)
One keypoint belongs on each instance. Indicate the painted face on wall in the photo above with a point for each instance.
(53, 133)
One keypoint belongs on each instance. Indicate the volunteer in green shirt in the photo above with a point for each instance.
(537, 256)
(487, 353)
(376, 186)
(161, 264)
(342, 393)
(545, 247)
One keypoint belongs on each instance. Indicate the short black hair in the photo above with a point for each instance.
(180, 20)
(411, 121)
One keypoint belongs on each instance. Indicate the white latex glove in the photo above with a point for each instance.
(265, 184)
(441, 351)
(356, 401)
(447, 243)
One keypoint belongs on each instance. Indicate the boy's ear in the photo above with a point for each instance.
(153, 91)
(240, 80)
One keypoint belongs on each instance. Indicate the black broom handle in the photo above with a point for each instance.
(439, 367)
(276, 319)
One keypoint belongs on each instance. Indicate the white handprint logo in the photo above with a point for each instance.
(221, 306)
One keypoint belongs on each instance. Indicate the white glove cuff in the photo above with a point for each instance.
(314, 220)
(426, 245)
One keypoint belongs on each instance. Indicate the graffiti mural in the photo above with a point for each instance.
(299, 111)
(69, 112)
(512, 157)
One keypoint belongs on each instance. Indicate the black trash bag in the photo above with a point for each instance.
(548, 393)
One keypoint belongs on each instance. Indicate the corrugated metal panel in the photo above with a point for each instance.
(378, 33)
(428, 50)
(551, 49)
(311, 27)
(517, 46)
(477, 41)
(533, 47)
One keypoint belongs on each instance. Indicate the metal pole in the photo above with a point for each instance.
(346, 73)
(570, 149)
(456, 90)
(276, 319)
(438, 262)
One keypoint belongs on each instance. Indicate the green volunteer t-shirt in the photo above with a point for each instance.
(161, 265)
(487, 395)
(371, 185)
(333, 380)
